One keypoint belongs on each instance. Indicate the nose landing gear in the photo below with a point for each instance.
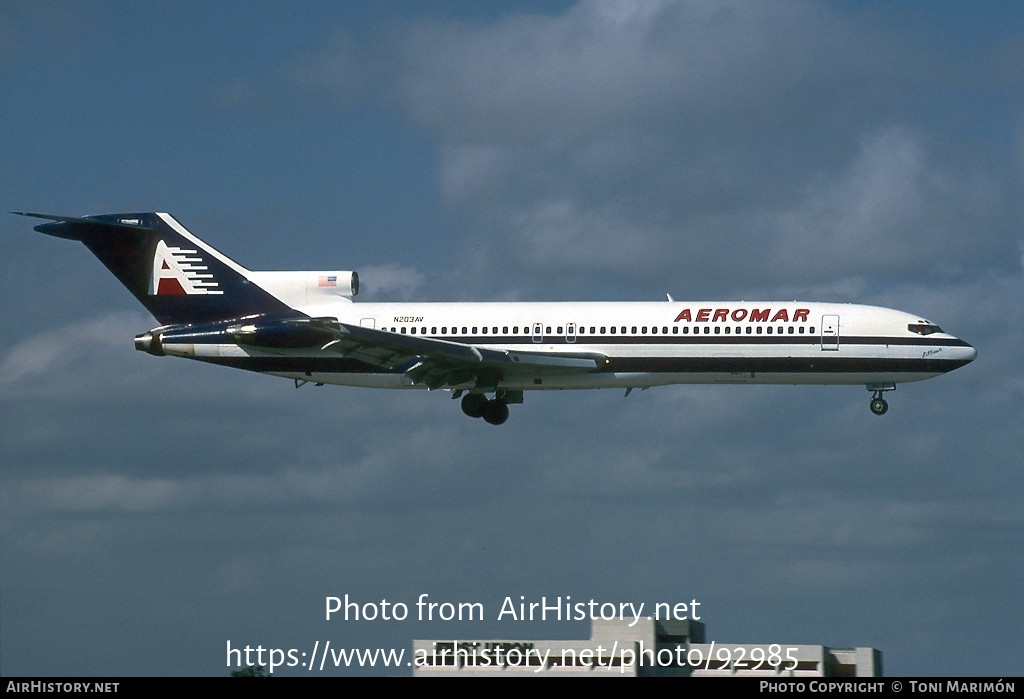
(878, 404)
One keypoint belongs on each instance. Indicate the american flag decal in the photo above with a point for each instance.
(327, 280)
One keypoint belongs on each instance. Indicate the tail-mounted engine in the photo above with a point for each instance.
(307, 288)
(256, 331)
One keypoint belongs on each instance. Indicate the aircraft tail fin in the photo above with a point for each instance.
(175, 275)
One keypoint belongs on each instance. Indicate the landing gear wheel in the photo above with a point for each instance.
(879, 406)
(474, 404)
(496, 412)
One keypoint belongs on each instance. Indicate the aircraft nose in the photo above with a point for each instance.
(968, 352)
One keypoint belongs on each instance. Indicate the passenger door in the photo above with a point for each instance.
(830, 333)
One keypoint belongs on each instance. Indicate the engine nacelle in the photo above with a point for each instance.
(257, 331)
(279, 334)
(307, 288)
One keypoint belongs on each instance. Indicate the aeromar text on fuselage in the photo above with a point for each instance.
(740, 314)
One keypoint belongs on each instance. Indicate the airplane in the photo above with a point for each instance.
(305, 326)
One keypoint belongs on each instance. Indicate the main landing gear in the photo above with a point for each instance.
(494, 411)
(878, 404)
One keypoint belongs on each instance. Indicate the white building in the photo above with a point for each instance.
(649, 648)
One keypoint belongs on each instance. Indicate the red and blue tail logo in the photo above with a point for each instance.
(175, 275)
(181, 271)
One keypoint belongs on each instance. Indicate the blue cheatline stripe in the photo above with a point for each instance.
(653, 365)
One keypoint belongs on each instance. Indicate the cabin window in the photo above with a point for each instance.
(718, 330)
(412, 330)
(403, 330)
(634, 330)
(759, 329)
(547, 330)
(504, 330)
(727, 330)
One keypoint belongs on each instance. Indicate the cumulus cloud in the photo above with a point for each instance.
(678, 138)
(36, 356)
(604, 64)
(892, 208)
(729, 145)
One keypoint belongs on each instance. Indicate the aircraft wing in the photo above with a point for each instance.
(442, 363)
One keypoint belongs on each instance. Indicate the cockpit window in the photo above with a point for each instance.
(924, 328)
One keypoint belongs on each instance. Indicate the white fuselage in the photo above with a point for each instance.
(647, 343)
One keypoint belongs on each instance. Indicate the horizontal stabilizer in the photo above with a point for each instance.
(128, 222)
(123, 222)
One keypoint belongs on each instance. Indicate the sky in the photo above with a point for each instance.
(156, 511)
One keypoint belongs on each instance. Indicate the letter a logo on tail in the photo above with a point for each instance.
(180, 271)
